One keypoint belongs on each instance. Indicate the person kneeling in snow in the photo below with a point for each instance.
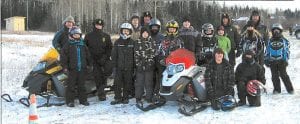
(75, 59)
(219, 78)
(247, 73)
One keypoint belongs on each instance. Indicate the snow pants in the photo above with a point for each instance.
(122, 84)
(144, 80)
(76, 79)
(242, 95)
(278, 69)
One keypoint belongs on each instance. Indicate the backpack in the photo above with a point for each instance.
(277, 50)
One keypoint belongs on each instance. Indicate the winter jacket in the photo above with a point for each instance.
(123, 54)
(144, 53)
(75, 56)
(136, 33)
(253, 43)
(219, 79)
(277, 50)
(100, 46)
(262, 29)
(224, 43)
(60, 38)
(191, 38)
(249, 71)
(169, 44)
(208, 45)
(232, 34)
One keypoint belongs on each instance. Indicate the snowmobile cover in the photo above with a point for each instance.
(181, 56)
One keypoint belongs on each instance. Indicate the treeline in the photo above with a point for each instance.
(47, 15)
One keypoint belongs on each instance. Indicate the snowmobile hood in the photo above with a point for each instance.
(50, 56)
(181, 56)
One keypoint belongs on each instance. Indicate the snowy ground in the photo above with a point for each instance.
(21, 52)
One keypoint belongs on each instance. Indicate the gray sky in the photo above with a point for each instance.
(270, 5)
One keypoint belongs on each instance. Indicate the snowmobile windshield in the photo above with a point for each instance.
(172, 69)
(39, 66)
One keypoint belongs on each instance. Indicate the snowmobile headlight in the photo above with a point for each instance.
(39, 66)
(179, 68)
(175, 68)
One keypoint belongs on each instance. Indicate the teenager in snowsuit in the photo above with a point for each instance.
(62, 36)
(123, 64)
(276, 57)
(135, 22)
(189, 36)
(144, 52)
(75, 59)
(100, 46)
(223, 41)
(255, 18)
(251, 40)
(208, 44)
(219, 78)
(246, 71)
(234, 36)
(171, 42)
(157, 38)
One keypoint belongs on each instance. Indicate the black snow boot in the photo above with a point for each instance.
(116, 101)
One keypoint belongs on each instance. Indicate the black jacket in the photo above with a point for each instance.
(100, 46)
(219, 79)
(61, 38)
(144, 54)
(191, 38)
(75, 56)
(246, 72)
(123, 54)
(169, 44)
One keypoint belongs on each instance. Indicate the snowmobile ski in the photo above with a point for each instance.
(188, 108)
(140, 105)
(8, 99)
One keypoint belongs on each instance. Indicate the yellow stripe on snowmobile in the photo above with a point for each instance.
(54, 69)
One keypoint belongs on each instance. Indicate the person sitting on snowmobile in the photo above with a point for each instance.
(246, 71)
(75, 59)
(208, 44)
(123, 64)
(219, 78)
(171, 42)
(144, 52)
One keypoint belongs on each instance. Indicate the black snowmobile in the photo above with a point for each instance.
(182, 81)
(48, 79)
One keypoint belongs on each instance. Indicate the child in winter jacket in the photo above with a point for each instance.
(223, 41)
(144, 61)
(75, 59)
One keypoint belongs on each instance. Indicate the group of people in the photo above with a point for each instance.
(138, 57)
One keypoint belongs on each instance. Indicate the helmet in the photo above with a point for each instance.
(153, 22)
(99, 22)
(227, 102)
(125, 26)
(172, 24)
(75, 30)
(255, 88)
(205, 27)
(277, 26)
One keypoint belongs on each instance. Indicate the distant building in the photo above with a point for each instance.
(16, 23)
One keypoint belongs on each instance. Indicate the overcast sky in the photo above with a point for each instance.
(270, 5)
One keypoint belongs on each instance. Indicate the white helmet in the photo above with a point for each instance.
(125, 26)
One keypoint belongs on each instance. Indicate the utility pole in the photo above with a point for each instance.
(27, 18)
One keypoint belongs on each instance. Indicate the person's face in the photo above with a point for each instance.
(135, 22)
(154, 27)
(69, 24)
(250, 28)
(145, 34)
(98, 26)
(248, 56)
(276, 31)
(76, 36)
(171, 30)
(255, 18)
(186, 24)
(126, 31)
(147, 19)
(219, 58)
(208, 31)
(225, 21)
(221, 32)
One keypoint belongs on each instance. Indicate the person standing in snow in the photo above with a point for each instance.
(145, 19)
(144, 61)
(189, 36)
(223, 41)
(246, 71)
(219, 78)
(135, 22)
(234, 36)
(157, 38)
(62, 36)
(123, 64)
(276, 57)
(208, 44)
(100, 46)
(75, 59)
